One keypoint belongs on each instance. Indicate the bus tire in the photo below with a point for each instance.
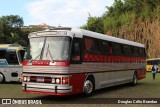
(135, 80)
(2, 78)
(89, 86)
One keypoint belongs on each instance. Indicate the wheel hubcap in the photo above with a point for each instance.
(135, 79)
(1, 78)
(88, 86)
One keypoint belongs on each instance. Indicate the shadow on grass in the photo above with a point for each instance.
(81, 98)
(16, 83)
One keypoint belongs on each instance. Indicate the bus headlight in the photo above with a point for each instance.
(58, 81)
(28, 79)
(24, 79)
(53, 80)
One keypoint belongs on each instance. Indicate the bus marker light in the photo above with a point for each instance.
(65, 80)
(28, 79)
(25, 79)
(53, 81)
(58, 81)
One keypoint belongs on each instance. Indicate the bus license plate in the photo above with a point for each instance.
(40, 79)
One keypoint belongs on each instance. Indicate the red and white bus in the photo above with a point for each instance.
(64, 61)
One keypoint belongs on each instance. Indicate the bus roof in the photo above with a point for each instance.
(108, 38)
(152, 59)
(80, 33)
(11, 46)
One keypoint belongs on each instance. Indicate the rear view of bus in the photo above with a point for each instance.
(11, 57)
(64, 61)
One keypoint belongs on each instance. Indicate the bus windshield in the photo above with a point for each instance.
(48, 48)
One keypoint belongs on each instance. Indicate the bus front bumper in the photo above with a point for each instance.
(43, 88)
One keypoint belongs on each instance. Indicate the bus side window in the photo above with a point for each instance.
(105, 47)
(135, 51)
(76, 51)
(96, 47)
(126, 50)
(88, 45)
(117, 49)
(142, 52)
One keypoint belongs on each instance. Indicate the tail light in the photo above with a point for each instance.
(65, 80)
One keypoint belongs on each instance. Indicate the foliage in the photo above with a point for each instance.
(94, 24)
(10, 30)
(136, 20)
(1, 27)
(12, 21)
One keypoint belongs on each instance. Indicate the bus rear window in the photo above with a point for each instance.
(12, 58)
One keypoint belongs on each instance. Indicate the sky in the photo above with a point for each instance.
(70, 13)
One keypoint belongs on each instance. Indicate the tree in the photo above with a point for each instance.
(136, 20)
(1, 27)
(11, 24)
(13, 21)
(94, 24)
(10, 30)
(2, 37)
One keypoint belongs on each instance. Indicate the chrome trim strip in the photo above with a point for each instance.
(47, 87)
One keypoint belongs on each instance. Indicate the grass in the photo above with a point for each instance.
(146, 88)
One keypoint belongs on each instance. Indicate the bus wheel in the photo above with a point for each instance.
(89, 87)
(1, 78)
(134, 79)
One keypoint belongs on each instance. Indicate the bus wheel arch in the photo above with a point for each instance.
(2, 78)
(89, 85)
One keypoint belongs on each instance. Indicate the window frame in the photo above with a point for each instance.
(74, 40)
(20, 58)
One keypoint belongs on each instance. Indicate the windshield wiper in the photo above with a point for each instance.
(48, 51)
(35, 57)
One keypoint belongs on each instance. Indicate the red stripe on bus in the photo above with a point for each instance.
(24, 62)
(63, 63)
(46, 63)
(41, 62)
(120, 59)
